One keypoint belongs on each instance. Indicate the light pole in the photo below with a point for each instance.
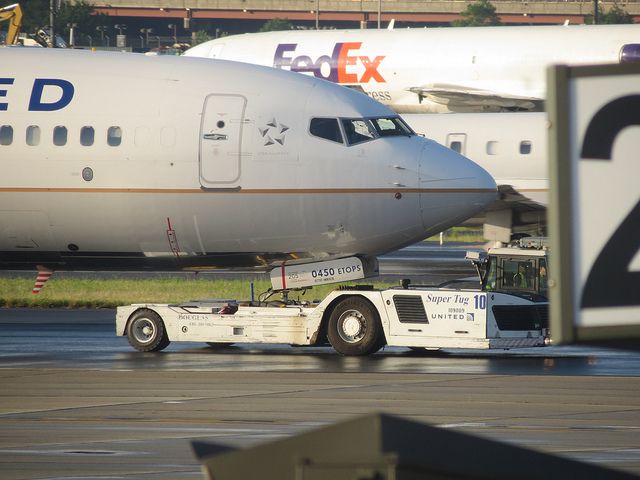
(102, 29)
(172, 26)
(71, 27)
(121, 40)
(146, 32)
(52, 17)
(316, 11)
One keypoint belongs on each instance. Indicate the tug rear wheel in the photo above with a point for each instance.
(146, 331)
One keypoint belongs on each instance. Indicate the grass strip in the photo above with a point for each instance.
(109, 293)
(461, 234)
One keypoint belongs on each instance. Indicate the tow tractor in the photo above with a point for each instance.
(509, 309)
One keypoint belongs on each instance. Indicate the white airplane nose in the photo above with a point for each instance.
(452, 187)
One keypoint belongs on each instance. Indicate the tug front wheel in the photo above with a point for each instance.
(355, 328)
(146, 332)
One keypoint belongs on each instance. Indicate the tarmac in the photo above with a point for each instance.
(77, 402)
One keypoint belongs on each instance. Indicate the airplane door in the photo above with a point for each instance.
(221, 140)
(457, 142)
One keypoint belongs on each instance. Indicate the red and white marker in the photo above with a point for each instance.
(41, 279)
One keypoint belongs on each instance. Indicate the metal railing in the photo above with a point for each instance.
(389, 6)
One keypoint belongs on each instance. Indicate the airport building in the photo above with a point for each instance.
(178, 19)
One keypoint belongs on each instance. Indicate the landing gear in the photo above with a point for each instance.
(355, 328)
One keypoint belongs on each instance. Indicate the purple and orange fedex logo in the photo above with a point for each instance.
(343, 66)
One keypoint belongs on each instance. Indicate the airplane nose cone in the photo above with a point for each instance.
(452, 188)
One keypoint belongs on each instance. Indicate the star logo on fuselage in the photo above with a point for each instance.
(273, 132)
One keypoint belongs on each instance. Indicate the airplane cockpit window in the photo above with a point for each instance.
(525, 147)
(114, 136)
(326, 128)
(60, 136)
(33, 135)
(6, 135)
(358, 130)
(391, 126)
(86, 136)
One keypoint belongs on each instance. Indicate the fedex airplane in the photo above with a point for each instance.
(469, 69)
(513, 148)
(122, 162)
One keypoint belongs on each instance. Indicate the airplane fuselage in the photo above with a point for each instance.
(513, 148)
(128, 162)
(510, 146)
(435, 70)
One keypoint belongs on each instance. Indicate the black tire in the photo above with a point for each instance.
(355, 328)
(146, 331)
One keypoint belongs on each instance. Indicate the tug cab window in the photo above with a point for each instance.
(522, 274)
(542, 277)
(522, 277)
(326, 128)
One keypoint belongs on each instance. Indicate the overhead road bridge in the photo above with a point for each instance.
(418, 12)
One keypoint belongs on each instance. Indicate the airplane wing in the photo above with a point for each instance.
(520, 202)
(510, 216)
(469, 97)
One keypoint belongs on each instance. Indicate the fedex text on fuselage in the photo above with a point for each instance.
(344, 65)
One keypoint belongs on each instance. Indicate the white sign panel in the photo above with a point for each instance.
(319, 273)
(595, 222)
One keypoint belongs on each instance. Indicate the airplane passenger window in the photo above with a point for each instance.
(114, 136)
(6, 135)
(326, 128)
(60, 136)
(33, 135)
(358, 130)
(492, 147)
(456, 146)
(525, 147)
(86, 136)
